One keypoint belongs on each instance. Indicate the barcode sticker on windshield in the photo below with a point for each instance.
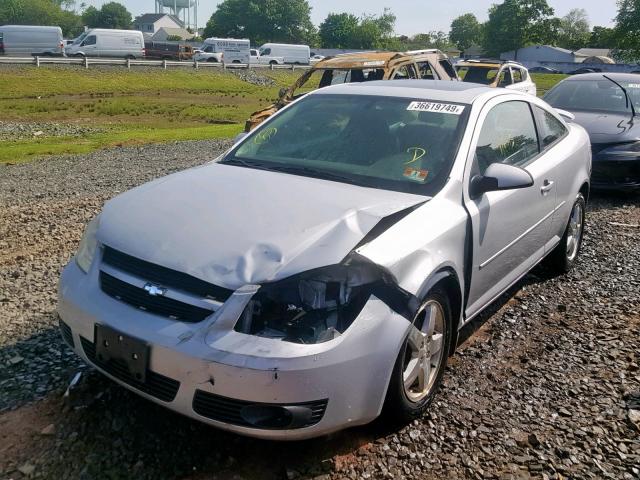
(634, 85)
(436, 107)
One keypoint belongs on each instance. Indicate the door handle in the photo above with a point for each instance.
(546, 187)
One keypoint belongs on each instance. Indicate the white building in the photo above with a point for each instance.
(150, 23)
(543, 53)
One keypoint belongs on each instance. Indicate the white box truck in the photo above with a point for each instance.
(295, 54)
(103, 42)
(21, 40)
(233, 50)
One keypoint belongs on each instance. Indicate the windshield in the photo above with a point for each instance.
(79, 40)
(380, 142)
(597, 95)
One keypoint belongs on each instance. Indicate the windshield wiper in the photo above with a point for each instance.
(312, 172)
(295, 170)
(626, 95)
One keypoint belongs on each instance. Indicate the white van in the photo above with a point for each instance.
(296, 54)
(20, 40)
(234, 50)
(102, 42)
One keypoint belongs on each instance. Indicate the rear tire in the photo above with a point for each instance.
(273, 62)
(418, 370)
(565, 255)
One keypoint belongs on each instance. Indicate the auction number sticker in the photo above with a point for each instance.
(436, 107)
(634, 85)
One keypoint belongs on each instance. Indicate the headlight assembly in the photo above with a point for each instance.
(88, 246)
(314, 306)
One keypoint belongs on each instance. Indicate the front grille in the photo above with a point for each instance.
(65, 332)
(228, 410)
(164, 276)
(156, 385)
(139, 298)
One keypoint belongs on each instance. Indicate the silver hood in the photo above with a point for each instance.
(233, 226)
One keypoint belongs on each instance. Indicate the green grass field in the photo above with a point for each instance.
(134, 107)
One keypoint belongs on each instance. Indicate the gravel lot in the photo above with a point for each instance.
(548, 387)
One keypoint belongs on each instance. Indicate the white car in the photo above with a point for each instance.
(316, 58)
(497, 73)
(317, 274)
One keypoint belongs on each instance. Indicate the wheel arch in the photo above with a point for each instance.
(585, 190)
(447, 279)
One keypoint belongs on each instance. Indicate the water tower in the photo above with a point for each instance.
(185, 10)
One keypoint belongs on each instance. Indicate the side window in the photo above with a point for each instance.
(266, 51)
(405, 72)
(508, 136)
(551, 129)
(517, 75)
(504, 79)
(90, 40)
(426, 71)
(448, 67)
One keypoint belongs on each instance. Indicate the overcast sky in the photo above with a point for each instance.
(414, 16)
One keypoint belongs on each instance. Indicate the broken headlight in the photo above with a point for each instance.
(312, 307)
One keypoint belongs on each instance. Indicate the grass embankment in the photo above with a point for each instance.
(127, 107)
(134, 107)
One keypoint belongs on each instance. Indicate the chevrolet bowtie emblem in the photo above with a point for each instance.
(155, 290)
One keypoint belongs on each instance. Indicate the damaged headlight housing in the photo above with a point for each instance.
(88, 246)
(314, 306)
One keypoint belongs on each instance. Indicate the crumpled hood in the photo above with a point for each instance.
(232, 226)
(608, 127)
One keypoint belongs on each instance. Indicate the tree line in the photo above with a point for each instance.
(511, 25)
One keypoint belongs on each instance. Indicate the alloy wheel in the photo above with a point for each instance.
(425, 351)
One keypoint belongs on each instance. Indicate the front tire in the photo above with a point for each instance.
(565, 255)
(417, 373)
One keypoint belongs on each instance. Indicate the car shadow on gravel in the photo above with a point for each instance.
(136, 435)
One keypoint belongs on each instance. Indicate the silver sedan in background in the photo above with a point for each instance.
(317, 274)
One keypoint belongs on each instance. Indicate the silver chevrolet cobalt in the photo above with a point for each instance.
(317, 274)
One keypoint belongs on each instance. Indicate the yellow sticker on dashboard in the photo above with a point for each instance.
(417, 153)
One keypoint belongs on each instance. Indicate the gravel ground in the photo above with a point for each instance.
(24, 131)
(548, 387)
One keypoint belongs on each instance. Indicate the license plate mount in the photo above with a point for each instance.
(112, 345)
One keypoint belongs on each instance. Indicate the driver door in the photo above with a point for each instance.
(510, 227)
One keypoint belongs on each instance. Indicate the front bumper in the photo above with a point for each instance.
(212, 375)
(615, 173)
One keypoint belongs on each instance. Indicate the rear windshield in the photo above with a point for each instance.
(382, 142)
(482, 75)
(597, 95)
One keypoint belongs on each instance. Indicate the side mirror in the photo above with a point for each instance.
(566, 115)
(239, 137)
(499, 176)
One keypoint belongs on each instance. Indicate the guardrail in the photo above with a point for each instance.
(88, 61)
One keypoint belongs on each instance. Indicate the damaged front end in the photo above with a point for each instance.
(319, 305)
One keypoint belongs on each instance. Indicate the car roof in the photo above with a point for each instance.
(373, 59)
(487, 63)
(438, 90)
(619, 77)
